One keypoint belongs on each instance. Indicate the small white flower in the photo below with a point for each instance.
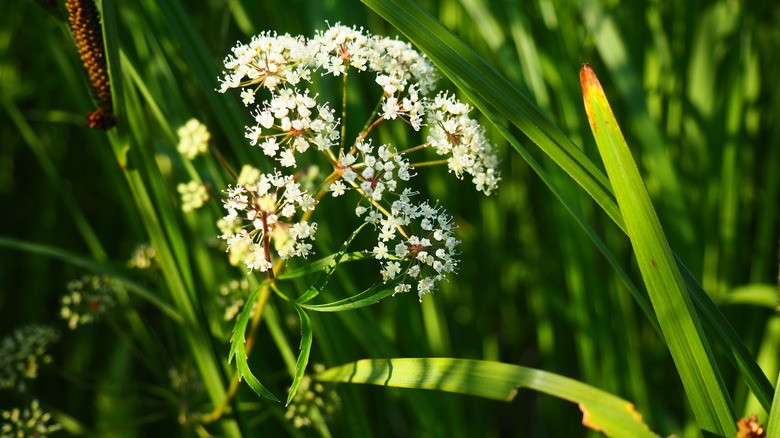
(390, 108)
(287, 158)
(248, 96)
(337, 188)
(380, 251)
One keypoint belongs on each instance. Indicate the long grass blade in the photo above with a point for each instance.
(676, 315)
(601, 410)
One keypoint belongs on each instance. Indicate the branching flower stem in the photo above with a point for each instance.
(344, 111)
(428, 163)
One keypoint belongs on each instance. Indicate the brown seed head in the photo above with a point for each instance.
(85, 25)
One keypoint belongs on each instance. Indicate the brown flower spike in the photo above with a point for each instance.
(85, 25)
(750, 428)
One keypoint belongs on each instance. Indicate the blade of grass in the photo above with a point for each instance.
(328, 270)
(238, 349)
(613, 52)
(773, 425)
(602, 411)
(57, 183)
(307, 334)
(320, 264)
(676, 315)
(95, 267)
(163, 233)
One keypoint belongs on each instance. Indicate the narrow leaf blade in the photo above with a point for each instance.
(238, 349)
(329, 269)
(602, 411)
(677, 317)
(307, 335)
(368, 297)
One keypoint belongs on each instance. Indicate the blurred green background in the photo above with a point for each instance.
(694, 85)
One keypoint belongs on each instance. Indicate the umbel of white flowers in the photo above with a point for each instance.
(415, 240)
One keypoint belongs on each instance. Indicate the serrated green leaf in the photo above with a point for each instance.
(238, 349)
(320, 264)
(368, 297)
(307, 336)
(677, 316)
(330, 268)
(601, 410)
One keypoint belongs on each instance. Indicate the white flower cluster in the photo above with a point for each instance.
(376, 173)
(28, 422)
(263, 206)
(88, 299)
(144, 257)
(22, 353)
(424, 254)
(194, 139)
(232, 296)
(313, 400)
(291, 114)
(462, 139)
(194, 195)
(289, 120)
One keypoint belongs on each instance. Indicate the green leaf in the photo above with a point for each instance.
(93, 266)
(303, 358)
(601, 410)
(676, 315)
(773, 425)
(760, 295)
(320, 264)
(330, 268)
(238, 349)
(368, 297)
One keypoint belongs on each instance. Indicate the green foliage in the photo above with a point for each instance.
(499, 381)
(667, 300)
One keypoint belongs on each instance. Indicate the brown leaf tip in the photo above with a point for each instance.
(750, 428)
(587, 78)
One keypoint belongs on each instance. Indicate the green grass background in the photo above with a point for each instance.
(694, 86)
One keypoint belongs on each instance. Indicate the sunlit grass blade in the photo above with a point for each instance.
(602, 411)
(720, 329)
(238, 349)
(759, 295)
(303, 357)
(673, 306)
(614, 52)
(149, 192)
(773, 425)
(567, 203)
